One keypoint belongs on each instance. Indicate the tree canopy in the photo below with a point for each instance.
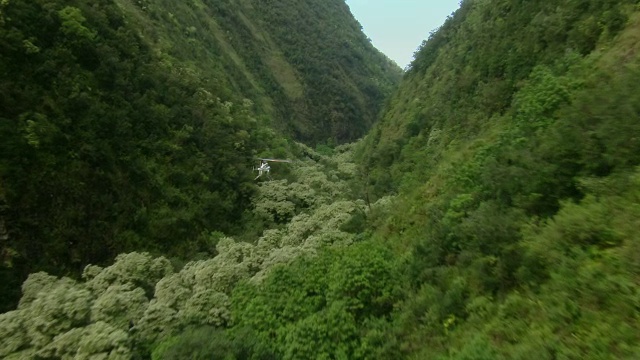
(133, 125)
(491, 213)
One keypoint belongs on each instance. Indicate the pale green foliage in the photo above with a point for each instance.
(118, 305)
(63, 319)
(65, 306)
(95, 341)
(280, 255)
(304, 234)
(12, 332)
(201, 307)
(318, 182)
(269, 252)
(174, 289)
(225, 270)
(305, 196)
(100, 340)
(330, 236)
(197, 295)
(35, 283)
(384, 204)
(326, 218)
(314, 206)
(272, 204)
(21, 355)
(122, 291)
(91, 271)
(137, 269)
(52, 322)
(343, 158)
(59, 318)
(207, 306)
(326, 184)
(298, 230)
(269, 240)
(158, 321)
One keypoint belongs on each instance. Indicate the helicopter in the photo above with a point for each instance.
(265, 168)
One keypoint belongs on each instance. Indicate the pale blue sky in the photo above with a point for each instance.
(397, 27)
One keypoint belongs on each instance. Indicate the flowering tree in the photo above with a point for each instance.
(62, 318)
(140, 300)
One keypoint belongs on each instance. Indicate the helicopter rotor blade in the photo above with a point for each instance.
(275, 160)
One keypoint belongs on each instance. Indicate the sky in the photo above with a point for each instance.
(398, 27)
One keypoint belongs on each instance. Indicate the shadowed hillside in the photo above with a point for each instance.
(131, 125)
(306, 64)
(512, 146)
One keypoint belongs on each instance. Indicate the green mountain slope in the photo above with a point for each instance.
(134, 124)
(492, 213)
(306, 64)
(512, 148)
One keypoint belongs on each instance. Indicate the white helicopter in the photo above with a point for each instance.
(264, 167)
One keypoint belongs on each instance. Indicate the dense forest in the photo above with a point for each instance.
(512, 148)
(490, 213)
(134, 125)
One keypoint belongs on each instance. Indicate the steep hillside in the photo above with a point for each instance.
(131, 125)
(512, 145)
(257, 300)
(306, 64)
(466, 76)
(345, 80)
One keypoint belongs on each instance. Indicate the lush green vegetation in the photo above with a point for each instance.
(512, 146)
(492, 213)
(307, 65)
(104, 147)
(344, 80)
(307, 282)
(133, 125)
